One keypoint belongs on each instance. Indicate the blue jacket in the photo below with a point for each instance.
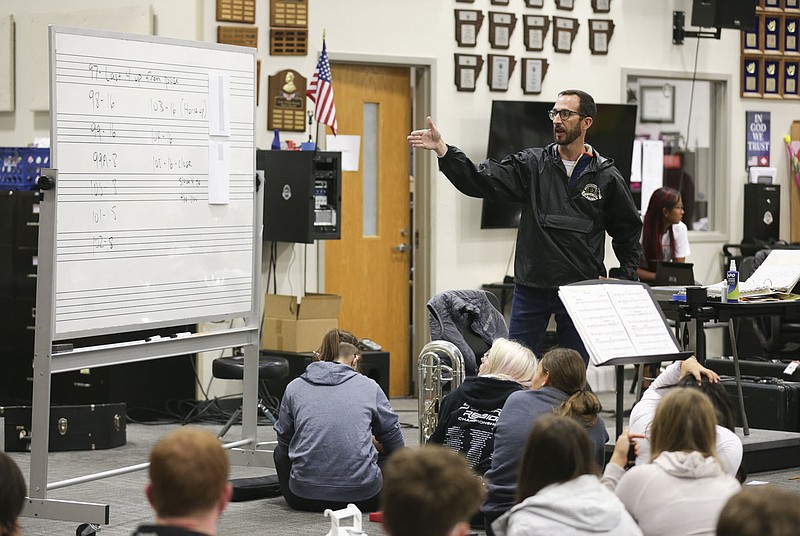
(510, 436)
(326, 422)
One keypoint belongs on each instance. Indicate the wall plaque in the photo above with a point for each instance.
(500, 69)
(772, 32)
(565, 4)
(534, 3)
(286, 101)
(500, 2)
(288, 13)
(236, 11)
(600, 32)
(288, 42)
(790, 78)
(751, 76)
(790, 35)
(772, 4)
(792, 4)
(751, 39)
(468, 67)
(564, 30)
(772, 75)
(246, 36)
(535, 28)
(601, 6)
(501, 26)
(468, 24)
(533, 72)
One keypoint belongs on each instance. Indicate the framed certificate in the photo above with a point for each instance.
(534, 3)
(601, 6)
(564, 30)
(657, 104)
(468, 67)
(791, 68)
(533, 72)
(468, 24)
(535, 28)
(600, 32)
(501, 26)
(500, 69)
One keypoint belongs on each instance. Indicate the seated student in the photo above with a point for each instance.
(467, 416)
(688, 373)
(12, 496)
(664, 236)
(429, 491)
(189, 486)
(559, 489)
(760, 511)
(684, 488)
(326, 455)
(559, 386)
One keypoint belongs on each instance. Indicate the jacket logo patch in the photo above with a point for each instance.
(592, 192)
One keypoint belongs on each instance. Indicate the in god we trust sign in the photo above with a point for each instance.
(757, 149)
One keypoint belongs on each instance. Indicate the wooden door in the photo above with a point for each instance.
(370, 266)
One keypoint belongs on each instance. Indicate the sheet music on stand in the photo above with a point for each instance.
(619, 322)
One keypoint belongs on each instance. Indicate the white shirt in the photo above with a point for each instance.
(682, 250)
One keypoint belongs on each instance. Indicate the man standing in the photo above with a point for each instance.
(189, 486)
(571, 197)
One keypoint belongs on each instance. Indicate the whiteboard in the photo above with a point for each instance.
(142, 130)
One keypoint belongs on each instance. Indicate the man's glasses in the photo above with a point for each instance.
(563, 114)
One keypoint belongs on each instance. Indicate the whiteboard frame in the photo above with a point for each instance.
(49, 359)
(256, 298)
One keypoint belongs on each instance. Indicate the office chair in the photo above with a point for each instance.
(269, 368)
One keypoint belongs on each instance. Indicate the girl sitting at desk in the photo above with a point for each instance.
(664, 236)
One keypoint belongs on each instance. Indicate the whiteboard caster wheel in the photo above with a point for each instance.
(87, 529)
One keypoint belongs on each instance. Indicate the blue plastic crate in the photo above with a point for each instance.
(20, 166)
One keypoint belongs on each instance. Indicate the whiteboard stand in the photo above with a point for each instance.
(138, 71)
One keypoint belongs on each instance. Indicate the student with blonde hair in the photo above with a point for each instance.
(429, 491)
(189, 486)
(559, 386)
(559, 489)
(684, 488)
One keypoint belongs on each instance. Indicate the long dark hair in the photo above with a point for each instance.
(329, 350)
(723, 406)
(558, 450)
(653, 228)
(568, 374)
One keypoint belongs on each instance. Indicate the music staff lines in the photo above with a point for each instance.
(155, 287)
(95, 252)
(168, 296)
(237, 90)
(148, 309)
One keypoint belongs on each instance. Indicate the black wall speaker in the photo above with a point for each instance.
(762, 213)
(738, 14)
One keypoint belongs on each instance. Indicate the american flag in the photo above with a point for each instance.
(320, 91)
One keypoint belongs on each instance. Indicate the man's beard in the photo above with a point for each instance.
(570, 135)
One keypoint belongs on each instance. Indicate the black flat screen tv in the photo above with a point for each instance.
(517, 125)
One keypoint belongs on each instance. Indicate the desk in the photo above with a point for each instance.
(729, 312)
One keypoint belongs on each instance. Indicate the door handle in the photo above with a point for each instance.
(401, 247)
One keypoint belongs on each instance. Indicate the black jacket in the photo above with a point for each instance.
(467, 417)
(561, 237)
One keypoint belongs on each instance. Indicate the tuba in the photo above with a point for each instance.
(432, 374)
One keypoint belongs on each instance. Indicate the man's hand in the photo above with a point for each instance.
(428, 138)
(691, 366)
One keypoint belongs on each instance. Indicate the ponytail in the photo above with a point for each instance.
(582, 406)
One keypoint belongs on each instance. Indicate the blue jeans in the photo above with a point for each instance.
(531, 309)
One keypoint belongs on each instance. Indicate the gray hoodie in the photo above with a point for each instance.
(577, 507)
(327, 419)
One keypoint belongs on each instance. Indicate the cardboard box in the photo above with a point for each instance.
(298, 325)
